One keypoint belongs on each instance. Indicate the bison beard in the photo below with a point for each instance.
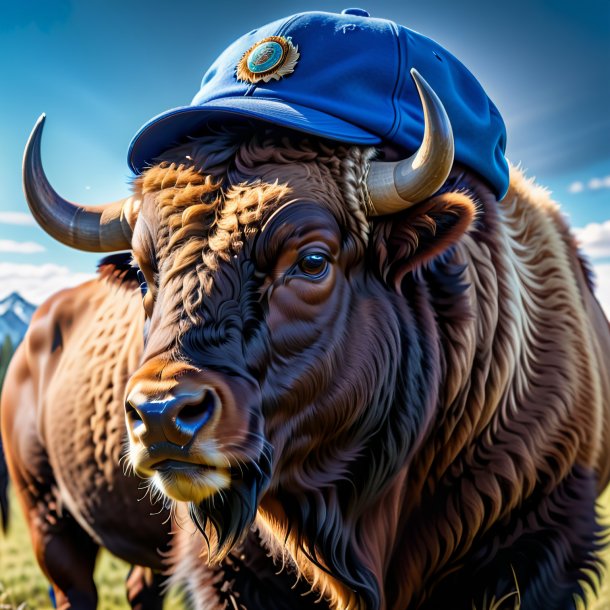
(225, 519)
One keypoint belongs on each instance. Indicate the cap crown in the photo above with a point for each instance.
(352, 83)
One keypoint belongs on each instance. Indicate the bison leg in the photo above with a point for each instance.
(65, 552)
(68, 557)
(145, 589)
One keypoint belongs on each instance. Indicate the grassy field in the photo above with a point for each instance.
(23, 587)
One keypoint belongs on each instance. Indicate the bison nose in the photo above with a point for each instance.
(177, 419)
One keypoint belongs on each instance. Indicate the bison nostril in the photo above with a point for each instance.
(132, 412)
(197, 414)
(135, 421)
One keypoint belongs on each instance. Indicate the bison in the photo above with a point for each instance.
(384, 375)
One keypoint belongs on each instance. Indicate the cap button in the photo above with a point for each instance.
(360, 12)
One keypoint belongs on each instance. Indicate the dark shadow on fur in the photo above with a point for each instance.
(548, 547)
(118, 267)
(253, 581)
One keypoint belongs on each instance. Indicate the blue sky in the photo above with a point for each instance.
(101, 69)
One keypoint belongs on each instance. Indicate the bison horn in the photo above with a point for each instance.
(393, 187)
(93, 228)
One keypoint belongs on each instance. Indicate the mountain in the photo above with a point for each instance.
(15, 316)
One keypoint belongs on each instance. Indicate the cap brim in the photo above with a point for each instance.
(174, 126)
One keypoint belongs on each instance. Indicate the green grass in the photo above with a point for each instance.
(23, 587)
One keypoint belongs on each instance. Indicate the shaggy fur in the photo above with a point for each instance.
(437, 404)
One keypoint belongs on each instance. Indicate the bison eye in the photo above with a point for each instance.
(143, 284)
(313, 265)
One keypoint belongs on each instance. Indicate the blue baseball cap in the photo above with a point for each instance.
(345, 77)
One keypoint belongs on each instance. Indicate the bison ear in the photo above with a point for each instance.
(412, 238)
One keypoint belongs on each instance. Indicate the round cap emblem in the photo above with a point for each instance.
(270, 58)
(265, 57)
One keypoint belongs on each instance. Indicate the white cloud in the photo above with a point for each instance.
(593, 185)
(599, 183)
(595, 239)
(20, 247)
(16, 218)
(602, 281)
(37, 282)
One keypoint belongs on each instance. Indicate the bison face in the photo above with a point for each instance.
(249, 303)
(281, 357)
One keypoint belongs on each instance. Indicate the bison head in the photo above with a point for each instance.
(286, 371)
